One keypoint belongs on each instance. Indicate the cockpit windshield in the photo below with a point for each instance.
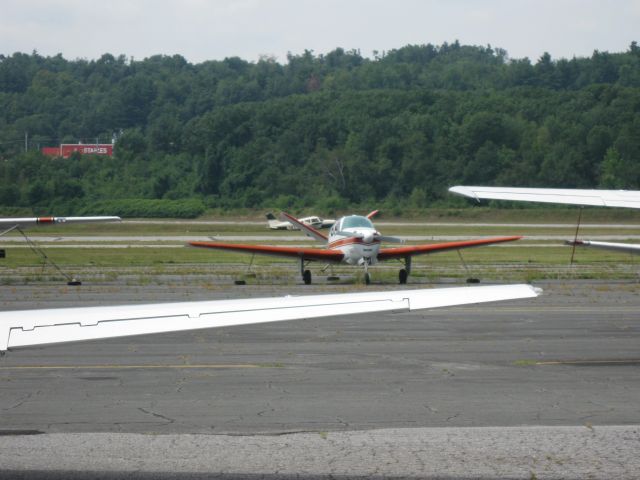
(356, 221)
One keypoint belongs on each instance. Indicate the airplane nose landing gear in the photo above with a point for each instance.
(365, 263)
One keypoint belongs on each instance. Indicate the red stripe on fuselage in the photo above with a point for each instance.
(45, 220)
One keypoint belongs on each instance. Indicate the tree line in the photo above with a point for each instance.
(332, 132)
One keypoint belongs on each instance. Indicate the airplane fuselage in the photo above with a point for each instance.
(356, 237)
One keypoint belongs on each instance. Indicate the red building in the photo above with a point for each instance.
(66, 149)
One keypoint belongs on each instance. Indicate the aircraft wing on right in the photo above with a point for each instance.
(410, 250)
(615, 247)
(569, 196)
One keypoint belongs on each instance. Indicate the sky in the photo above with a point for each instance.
(203, 30)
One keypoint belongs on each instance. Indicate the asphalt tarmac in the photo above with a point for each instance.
(552, 384)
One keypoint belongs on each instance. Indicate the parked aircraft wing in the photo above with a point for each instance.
(23, 222)
(295, 252)
(40, 327)
(598, 198)
(618, 247)
(307, 229)
(402, 252)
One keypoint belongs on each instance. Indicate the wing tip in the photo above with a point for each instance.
(464, 191)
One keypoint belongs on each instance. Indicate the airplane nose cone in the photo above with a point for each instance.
(367, 238)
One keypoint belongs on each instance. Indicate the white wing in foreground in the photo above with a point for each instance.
(616, 247)
(38, 327)
(598, 198)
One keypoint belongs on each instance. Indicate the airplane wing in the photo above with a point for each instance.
(294, 252)
(307, 229)
(41, 327)
(617, 247)
(598, 198)
(24, 222)
(402, 252)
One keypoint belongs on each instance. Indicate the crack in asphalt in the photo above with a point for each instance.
(20, 402)
(157, 415)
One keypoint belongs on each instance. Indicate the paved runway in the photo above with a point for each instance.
(567, 359)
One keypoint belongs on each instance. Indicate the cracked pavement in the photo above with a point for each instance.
(567, 359)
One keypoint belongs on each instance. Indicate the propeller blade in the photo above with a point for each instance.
(384, 238)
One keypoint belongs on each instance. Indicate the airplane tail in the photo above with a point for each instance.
(307, 229)
(272, 220)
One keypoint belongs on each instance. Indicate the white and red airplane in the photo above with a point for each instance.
(352, 240)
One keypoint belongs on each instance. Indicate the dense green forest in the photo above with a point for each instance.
(332, 132)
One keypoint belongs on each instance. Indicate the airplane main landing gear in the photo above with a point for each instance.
(367, 278)
(306, 277)
(469, 279)
(402, 276)
(306, 274)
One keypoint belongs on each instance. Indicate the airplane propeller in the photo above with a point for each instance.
(368, 238)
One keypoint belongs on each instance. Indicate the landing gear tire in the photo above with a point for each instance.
(367, 278)
(306, 277)
(473, 280)
(402, 276)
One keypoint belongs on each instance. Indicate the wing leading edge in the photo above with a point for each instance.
(291, 252)
(308, 230)
(401, 252)
(41, 327)
(568, 196)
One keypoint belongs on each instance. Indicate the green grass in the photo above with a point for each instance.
(525, 363)
(524, 260)
(521, 263)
